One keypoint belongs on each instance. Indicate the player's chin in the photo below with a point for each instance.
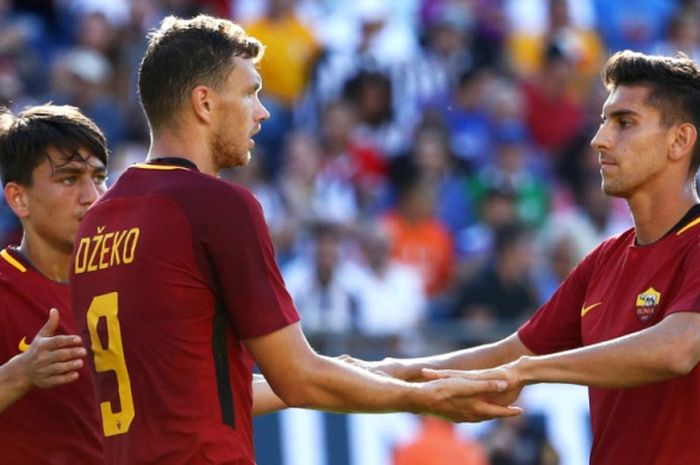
(613, 190)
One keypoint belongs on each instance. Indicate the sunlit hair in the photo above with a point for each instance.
(25, 139)
(185, 53)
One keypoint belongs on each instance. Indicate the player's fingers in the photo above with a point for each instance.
(72, 353)
(429, 373)
(59, 368)
(353, 361)
(57, 380)
(49, 328)
(58, 342)
(472, 387)
(487, 411)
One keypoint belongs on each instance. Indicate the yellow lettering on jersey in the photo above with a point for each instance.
(96, 241)
(104, 250)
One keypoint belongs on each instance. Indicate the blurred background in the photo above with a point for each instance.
(426, 176)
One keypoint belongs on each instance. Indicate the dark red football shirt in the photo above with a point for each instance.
(55, 426)
(622, 288)
(172, 270)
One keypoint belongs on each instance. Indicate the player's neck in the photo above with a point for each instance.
(654, 216)
(52, 263)
(168, 143)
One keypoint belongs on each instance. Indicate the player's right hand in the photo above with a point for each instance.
(467, 400)
(51, 360)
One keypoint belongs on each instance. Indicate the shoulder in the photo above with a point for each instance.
(199, 193)
(613, 243)
(12, 270)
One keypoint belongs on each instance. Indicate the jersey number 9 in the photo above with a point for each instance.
(111, 358)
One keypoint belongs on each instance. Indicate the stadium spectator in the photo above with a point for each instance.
(419, 238)
(526, 49)
(390, 296)
(635, 24)
(437, 443)
(326, 299)
(553, 116)
(511, 168)
(520, 442)
(501, 292)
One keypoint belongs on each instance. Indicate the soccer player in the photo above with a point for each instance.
(626, 321)
(52, 162)
(175, 284)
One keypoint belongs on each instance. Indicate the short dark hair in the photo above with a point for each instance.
(185, 53)
(25, 139)
(674, 83)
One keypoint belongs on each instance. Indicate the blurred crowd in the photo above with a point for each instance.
(427, 162)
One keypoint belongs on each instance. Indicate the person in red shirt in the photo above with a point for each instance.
(175, 286)
(53, 165)
(626, 321)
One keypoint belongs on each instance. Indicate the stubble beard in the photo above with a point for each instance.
(611, 190)
(227, 154)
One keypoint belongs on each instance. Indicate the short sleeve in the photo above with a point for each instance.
(687, 297)
(233, 244)
(556, 326)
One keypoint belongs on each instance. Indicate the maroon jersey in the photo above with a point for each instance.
(172, 270)
(622, 288)
(53, 426)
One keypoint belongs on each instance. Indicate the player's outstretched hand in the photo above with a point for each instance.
(466, 400)
(506, 373)
(51, 359)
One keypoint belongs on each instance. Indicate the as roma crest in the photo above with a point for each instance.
(647, 302)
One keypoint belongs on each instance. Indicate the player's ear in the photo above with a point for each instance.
(16, 197)
(201, 102)
(685, 137)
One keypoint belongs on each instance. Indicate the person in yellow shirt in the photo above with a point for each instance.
(291, 50)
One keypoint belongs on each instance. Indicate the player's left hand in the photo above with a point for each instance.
(51, 359)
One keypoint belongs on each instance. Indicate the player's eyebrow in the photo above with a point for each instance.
(77, 168)
(619, 113)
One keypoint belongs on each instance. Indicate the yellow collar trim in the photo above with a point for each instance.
(695, 222)
(146, 166)
(11, 260)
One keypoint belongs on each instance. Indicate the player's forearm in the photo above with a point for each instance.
(667, 350)
(264, 399)
(333, 385)
(483, 356)
(13, 383)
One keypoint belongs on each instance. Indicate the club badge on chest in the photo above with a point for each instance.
(647, 303)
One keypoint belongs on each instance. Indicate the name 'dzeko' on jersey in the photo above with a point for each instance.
(106, 249)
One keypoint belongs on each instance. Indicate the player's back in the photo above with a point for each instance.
(176, 376)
